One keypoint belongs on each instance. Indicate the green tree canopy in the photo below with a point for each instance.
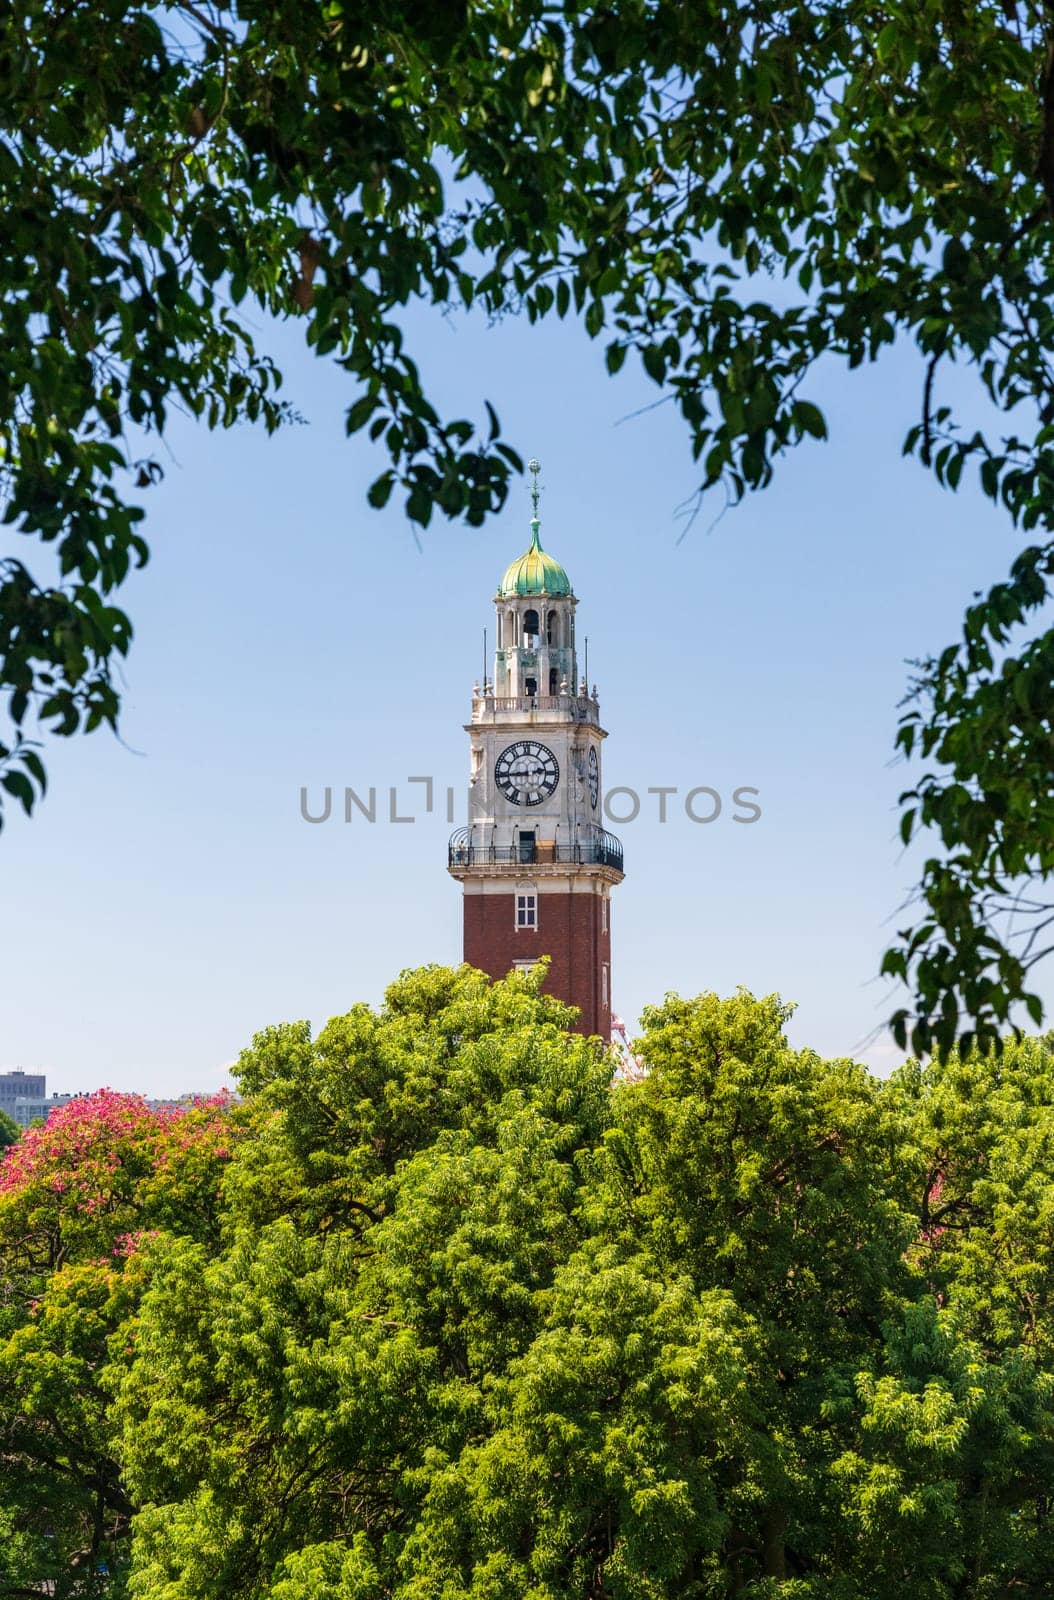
(446, 1309)
(725, 193)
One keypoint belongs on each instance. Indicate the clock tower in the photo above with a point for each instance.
(536, 866)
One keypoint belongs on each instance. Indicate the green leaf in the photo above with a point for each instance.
(654, 363)
(886, 43)
(360, 413)
(614, 357)
(380, 490)
(810, 419)
(18, 785)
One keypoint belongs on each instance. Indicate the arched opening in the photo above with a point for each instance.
(552, 628)
(530, 687)
(554, 681)
(530, 628)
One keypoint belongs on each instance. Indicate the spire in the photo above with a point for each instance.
(534, 467)
(535, 572)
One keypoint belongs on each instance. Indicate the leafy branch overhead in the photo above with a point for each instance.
(722, 192)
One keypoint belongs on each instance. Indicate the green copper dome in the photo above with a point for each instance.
(535, 572)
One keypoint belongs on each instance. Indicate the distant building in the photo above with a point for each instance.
(27, 1111)
(24, 1096)
(38, 1109)
(18, 1085)
(18, 1091)
(181, 1102)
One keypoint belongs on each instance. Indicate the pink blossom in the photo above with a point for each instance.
(97, 1149)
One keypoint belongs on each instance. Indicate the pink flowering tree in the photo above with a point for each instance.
(82, 1200)
(105, 1167)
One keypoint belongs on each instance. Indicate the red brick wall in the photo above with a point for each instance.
(569, 931)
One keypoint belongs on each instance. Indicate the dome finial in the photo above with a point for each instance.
(534, 466)
(534, 572)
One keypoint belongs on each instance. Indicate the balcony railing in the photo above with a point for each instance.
(602, 850)
(580, 708)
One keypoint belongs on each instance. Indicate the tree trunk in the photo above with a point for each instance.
(773, 1552)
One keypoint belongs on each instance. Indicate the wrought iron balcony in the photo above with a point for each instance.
(600, 849)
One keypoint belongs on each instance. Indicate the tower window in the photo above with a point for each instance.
(604, 913)
(530, 686)
(552, 628)
(530, 626)
(528, 846)
(554, 680)
(604, 987)
(527, 911)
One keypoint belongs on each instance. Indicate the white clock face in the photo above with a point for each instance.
(527, 772)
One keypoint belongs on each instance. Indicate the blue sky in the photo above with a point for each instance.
(168, 900)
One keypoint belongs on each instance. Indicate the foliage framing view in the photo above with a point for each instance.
(439, 1313)
(724, 192)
